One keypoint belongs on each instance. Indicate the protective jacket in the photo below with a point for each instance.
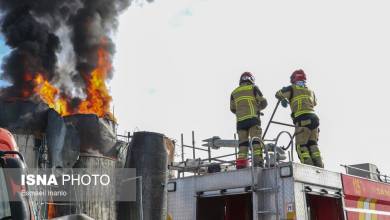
(302, 100)
(246, 102)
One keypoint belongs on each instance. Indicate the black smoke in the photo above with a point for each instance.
(33, 51)
(31, 29)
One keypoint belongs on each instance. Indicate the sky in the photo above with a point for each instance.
(3, 47)
(3, 51)
(177, 62)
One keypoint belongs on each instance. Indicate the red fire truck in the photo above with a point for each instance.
(13, 204)
(213, 189)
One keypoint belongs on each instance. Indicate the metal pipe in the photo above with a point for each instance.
(252, 167)
(141, 198)
(286, 148)
(228, 161)
(267, 158)
(212, 158)
(193, 145)
(253, 156)
(276, 176)
(292, 144)
(255, 214)
(197, 148)
(124, 136)
(219, 160)
(292, 152)
(235, 148)
(119, 135)
(281, 123)
(292, 139)
(209, 153)
(270, 120)
(206, 165)
(182, 148)
(269, 140)
(280, 134)
(277, 186)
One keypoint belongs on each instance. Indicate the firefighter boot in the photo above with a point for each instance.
(258, 156)
(242, 160)
(316, 156)
(258, 162)
(304, 155)
(255, 133)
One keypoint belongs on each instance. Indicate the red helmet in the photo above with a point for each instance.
(247, 77)
(298, 75)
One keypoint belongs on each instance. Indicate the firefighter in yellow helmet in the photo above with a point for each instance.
(302, 102)
(246, 102)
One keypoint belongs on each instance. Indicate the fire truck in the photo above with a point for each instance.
(212, 189)
(13, 204)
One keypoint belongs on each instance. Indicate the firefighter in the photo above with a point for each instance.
(302, 102)
(246, 102)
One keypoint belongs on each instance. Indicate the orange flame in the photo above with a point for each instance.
(98, 99)
(50, 95)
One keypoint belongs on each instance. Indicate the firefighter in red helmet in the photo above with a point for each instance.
(246, 102)
(302, 102)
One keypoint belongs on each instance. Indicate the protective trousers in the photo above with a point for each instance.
(244, 136)
(306, 137)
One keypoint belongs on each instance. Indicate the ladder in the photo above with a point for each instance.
(259, 193)
(260, 190)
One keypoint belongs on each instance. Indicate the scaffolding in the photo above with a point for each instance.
(194, 165)
(182, 166)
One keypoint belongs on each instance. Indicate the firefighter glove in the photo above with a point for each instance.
(284, 103)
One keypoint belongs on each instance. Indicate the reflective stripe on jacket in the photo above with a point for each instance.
(302, 100)
(246, 102)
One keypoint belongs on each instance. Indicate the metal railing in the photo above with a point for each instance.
(125, 138)
(219, 160)
(222, 159)
(386, 178)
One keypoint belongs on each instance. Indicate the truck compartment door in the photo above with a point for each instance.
(229, 207)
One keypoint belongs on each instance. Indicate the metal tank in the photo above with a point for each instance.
(149, 155)
(89, 143)
(90, 201)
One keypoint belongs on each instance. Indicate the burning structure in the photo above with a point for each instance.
(61, 53)
(58, 103)
(60, 61)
